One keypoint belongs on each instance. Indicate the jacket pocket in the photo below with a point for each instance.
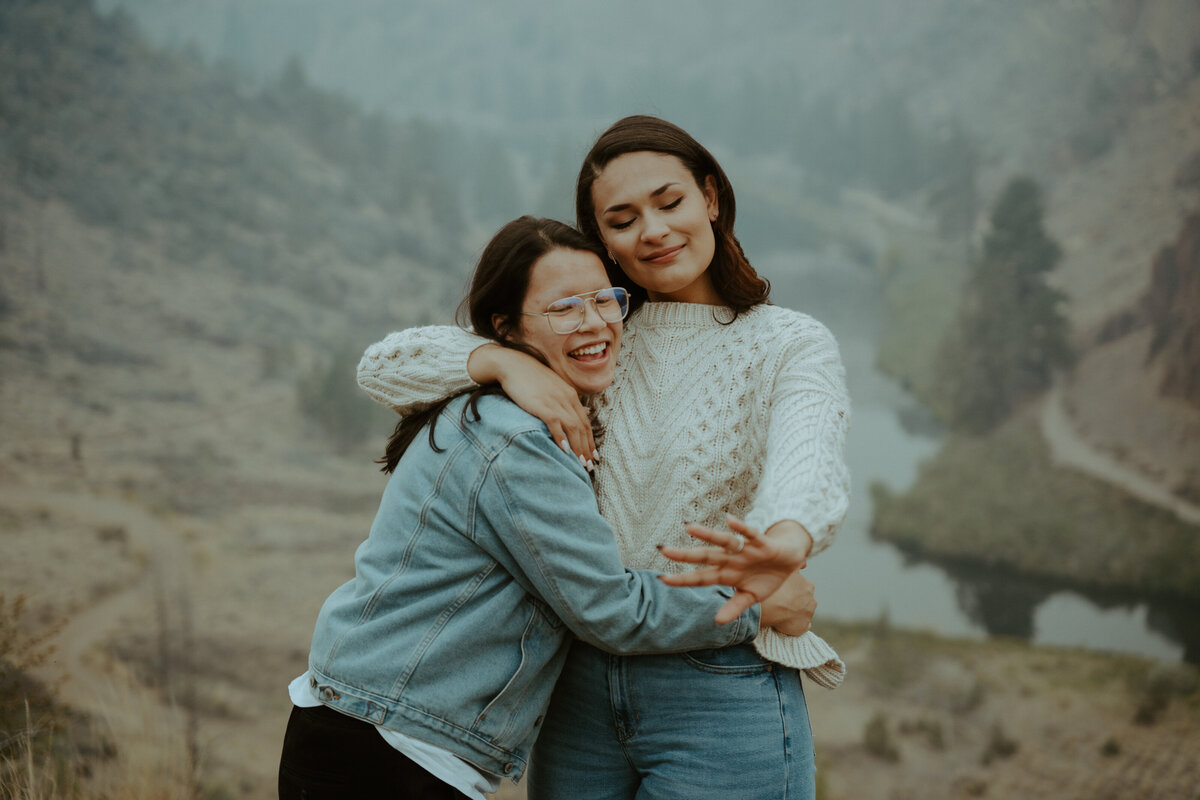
(512, 715)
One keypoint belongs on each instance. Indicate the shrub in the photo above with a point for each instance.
(999, 746)
(21, 651)
(1157, 687)
(928, 729)
(878, 740)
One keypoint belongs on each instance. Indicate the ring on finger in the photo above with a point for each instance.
(741, 542)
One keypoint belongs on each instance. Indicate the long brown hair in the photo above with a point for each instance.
(492, 307)
(740, 287)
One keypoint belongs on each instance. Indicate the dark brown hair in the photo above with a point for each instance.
(498, 289)
(740, 287)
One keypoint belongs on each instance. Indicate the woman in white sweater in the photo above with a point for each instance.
(721, 405)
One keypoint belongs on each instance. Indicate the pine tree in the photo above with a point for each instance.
(1010, 335)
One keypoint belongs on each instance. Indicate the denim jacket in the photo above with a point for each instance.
(481, 563)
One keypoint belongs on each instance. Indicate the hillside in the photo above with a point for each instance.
(173, 243)
(1121, 219)
(188, 270)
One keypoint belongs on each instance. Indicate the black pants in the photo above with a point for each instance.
(331, 755)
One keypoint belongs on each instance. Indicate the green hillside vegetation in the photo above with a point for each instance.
(996, 499)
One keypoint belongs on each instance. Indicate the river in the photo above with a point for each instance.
(861, 579)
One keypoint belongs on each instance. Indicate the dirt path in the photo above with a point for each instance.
(87, 675)
(1068, 448)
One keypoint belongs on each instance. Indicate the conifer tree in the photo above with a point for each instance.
(1010, 334)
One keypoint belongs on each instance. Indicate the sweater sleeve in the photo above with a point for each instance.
(418, 366)
(809, 653)
(804, 475)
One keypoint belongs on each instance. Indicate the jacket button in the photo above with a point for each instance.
(508, 767)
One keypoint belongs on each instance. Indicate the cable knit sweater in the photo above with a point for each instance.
(704, 417)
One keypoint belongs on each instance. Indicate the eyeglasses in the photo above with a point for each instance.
(567, 315)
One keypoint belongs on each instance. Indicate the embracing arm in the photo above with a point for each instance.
(553, 539)
(418, 366)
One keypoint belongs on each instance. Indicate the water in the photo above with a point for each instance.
(860, 579)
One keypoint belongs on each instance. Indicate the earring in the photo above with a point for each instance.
(610, 256)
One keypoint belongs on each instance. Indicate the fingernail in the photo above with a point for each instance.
(596, 455)
(591, 465)
(566, 447)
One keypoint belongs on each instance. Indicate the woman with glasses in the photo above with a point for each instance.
(430, 672)
(721, 404)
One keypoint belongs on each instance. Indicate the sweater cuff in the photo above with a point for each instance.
(815, 521)
(808, 653)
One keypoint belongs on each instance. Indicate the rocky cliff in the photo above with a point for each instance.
(1172, 306)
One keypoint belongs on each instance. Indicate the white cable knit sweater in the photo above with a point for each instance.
(703, 418)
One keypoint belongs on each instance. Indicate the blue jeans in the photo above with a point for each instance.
(714, 724)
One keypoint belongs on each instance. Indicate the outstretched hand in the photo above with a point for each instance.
(754, 564)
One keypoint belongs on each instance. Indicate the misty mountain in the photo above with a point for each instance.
(171, 236)
(1031, 80)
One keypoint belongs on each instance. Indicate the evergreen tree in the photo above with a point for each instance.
(1010, 334)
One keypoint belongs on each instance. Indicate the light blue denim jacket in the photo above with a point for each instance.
(481, 563)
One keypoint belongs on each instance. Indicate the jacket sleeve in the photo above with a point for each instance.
(804, 476)
(418, 366)
(554, 540)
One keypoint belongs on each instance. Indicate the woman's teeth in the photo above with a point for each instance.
(590, 350)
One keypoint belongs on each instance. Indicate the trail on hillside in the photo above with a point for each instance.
(1068, 448)
(87, 674)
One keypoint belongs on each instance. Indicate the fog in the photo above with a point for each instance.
(209, 208)
(839, 125)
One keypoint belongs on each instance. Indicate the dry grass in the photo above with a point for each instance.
(133, 750)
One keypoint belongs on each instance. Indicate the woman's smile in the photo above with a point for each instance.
(665, 256)
(591, 353)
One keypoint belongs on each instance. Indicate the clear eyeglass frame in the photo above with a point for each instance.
(566, 315)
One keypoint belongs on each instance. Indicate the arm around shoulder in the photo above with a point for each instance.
(418, 366)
